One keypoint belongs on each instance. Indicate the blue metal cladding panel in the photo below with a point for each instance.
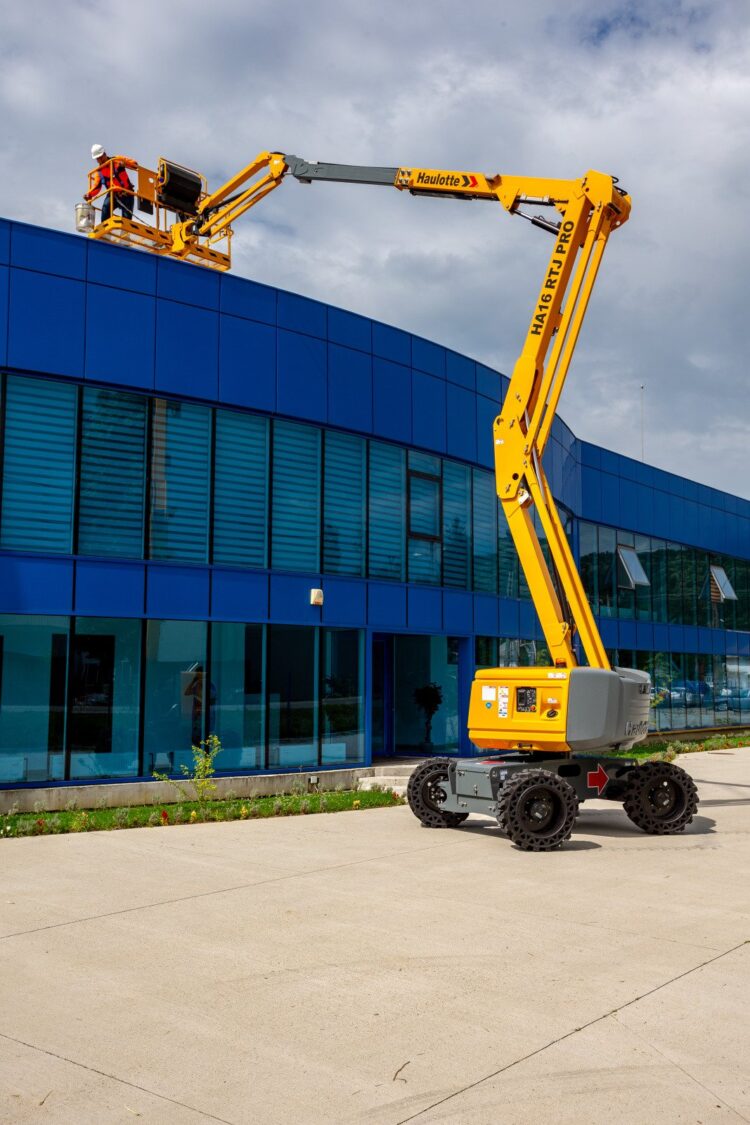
(47, 321)
(424, 609)
(120, 336)
(462, 423)
(290, 599)
(608, 631)
(349, 389)
(192, 285)
(300, 314)
(386, 605)
(122, 269)
(429, 357)
(391, 400)
(177, 592)
(240, 297)
(460, 370)
(391, 343)
(35, 585)
(644, 636)
(489, 384)
(247, 363)
(4, 241)
(485, 616)
(628, 635)
(528, 622)
(301, 385)
(590, 455)
(508, 626)
(187, 350)
(111, 589)
(661, 638)
(349, 329)
(591, 494)
(4, 287)
(239, 595)
(487, 411)
(458, 612)
(345, 602)
(35, 248)
(610, 498)
(428, 411)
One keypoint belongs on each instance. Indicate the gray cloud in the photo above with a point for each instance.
(657, 93)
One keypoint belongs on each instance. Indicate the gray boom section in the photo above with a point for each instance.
(306, 172)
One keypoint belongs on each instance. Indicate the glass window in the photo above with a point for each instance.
(292, 687)
(507, 556)
(295, 509)
(456, 524)
(342, 695)
(689, 586)
(39, 465)
(485, 652)
(659, 580)
(643, 593)
(742, 586)
(33, 683)
(484, 509)
(387, 514)
(176, 696)
(180, 468)
(426, 694)
(104, 697)
(606, 571)
(631, 572)
(721, 587)
(344, 492)
(587, 544)
(112, 485)
(240, 489)
(674, 583)
(424, 504)
(237, 716)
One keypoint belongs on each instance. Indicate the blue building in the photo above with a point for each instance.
(186, 456)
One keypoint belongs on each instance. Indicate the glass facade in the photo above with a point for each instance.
(96, 697)
(107, 474)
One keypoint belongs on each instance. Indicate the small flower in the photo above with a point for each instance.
(355, 804)
(243, 812)
(193, 816)
(164, 816)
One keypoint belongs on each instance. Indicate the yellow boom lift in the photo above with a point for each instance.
(551, 730)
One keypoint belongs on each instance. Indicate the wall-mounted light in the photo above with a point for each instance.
(316, 597)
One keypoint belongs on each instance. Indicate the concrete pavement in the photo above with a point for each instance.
(358, 968)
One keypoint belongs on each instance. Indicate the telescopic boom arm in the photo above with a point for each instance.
(589, 210)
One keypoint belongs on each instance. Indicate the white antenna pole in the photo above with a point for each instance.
(643, 440)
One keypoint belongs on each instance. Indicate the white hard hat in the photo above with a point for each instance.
(96, 151)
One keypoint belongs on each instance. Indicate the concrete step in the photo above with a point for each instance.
(396, 783)
(396, 770)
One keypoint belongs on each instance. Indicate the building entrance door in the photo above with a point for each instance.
(383, 745)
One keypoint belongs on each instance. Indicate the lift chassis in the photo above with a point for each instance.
(536, 799)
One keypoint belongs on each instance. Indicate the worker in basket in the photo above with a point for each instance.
(112, 169)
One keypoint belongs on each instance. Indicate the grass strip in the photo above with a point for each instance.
(41, 823)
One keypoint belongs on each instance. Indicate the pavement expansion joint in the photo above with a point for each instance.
(116, 1078)
(575, 1031)
(220, 891)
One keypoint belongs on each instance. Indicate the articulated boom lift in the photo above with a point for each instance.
(550, 730)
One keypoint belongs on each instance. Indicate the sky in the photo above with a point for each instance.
(655, 93)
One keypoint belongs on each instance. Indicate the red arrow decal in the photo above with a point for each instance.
(474, 181)
(597, 779)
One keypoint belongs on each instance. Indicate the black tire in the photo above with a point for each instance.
(660, 798)
(537, 810)
(426, 791)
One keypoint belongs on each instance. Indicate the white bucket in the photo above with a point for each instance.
(85, 217)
